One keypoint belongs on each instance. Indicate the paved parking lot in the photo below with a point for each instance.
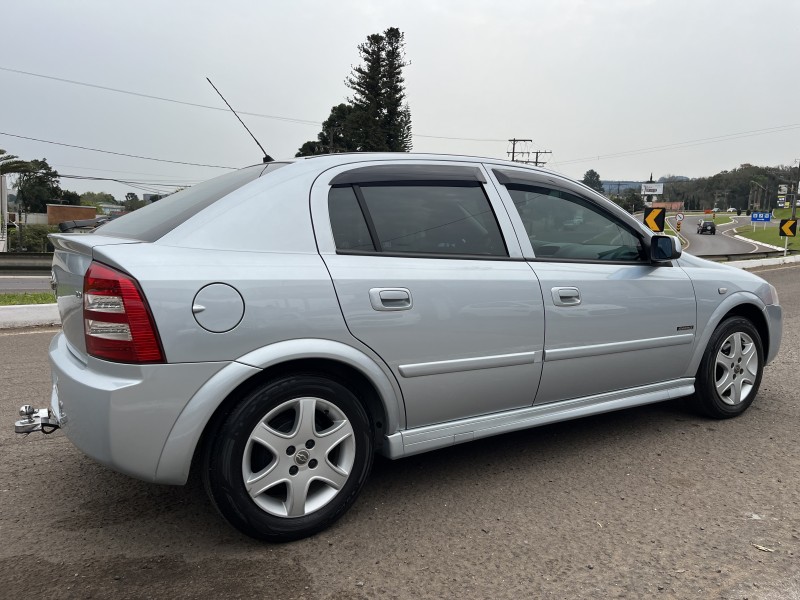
(649, 502)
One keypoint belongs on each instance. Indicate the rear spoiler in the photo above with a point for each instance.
(83, 224)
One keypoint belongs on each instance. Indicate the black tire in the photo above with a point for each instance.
(745, 370)
(233, 451)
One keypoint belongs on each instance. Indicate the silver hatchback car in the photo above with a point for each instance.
(278, 325)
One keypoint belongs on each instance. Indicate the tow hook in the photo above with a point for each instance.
(35, 419)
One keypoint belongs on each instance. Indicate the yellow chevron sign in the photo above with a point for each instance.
(788, 228)
(654, 219)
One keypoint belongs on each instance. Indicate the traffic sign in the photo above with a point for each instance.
(679, 217)
(760, 216)
(654, 219)
(788, 228)
(678, 226)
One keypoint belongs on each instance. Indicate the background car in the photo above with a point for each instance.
(707, 227)
(279, 325)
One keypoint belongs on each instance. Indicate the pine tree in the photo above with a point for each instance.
(396, 114)
(377, 118)
(366, 81)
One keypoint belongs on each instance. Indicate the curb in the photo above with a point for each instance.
(29, 315)
(764, 262)
(744, 239)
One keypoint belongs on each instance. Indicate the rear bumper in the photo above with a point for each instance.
(121, 415)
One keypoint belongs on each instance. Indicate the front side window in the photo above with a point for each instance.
(564, 226)
(416, 218)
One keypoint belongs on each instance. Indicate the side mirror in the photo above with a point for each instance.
(664, 248)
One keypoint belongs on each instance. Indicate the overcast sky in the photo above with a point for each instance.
(596, 82)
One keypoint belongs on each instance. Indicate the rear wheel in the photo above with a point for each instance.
(731, 369)
(290, 459)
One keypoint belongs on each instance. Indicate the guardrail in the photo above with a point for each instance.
(38, 262)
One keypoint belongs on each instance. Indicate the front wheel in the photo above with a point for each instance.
(731, 369)
(290, 459)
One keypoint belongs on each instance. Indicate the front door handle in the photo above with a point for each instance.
(566, 296)
(390, 299)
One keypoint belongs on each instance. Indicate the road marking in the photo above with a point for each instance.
(29, 331)
(728, 232)
(764, 269)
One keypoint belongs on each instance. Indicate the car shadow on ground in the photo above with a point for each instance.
(115, 503)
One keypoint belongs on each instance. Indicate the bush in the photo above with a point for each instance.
(34, 238)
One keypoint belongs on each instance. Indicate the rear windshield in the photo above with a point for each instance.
(156, 220)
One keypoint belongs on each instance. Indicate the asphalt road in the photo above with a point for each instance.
(643, 503)
(24, 283)
(721, 243)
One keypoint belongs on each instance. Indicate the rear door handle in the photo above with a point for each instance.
(566, 296)
(390, 299)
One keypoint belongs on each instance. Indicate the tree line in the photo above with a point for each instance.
(744, 187)
(38, 184)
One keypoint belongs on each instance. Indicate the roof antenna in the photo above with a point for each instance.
(267, 157)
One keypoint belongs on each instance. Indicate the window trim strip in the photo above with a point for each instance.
(373, 232)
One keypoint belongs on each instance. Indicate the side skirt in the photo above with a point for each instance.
(431, 437)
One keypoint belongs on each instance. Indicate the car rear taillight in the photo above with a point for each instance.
(118, 325)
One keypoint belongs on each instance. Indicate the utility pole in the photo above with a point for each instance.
(526, 153)
(537, 162)
(513, 152)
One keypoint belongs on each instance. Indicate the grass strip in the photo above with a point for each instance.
(14, 298)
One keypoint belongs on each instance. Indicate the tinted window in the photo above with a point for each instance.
(156, 220)
(433, 219)
(563, 226)
(347, 221)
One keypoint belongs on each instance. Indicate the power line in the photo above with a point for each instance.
(174, 162)
(218, 108)
(123, 181)
(60, 166)
(153, 97)
(688, 143)
(460, 139)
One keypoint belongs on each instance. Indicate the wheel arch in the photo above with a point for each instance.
(742, 304)
(207, 409)
(756, 316)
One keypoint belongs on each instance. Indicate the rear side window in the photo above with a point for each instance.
(156, 220)
(347, 221)
(416, 218)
